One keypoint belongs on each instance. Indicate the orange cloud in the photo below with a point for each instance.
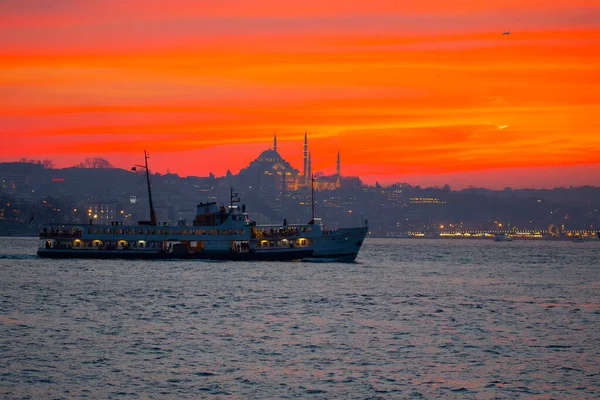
(399, 89)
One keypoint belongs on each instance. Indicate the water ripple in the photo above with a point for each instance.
(409, 319)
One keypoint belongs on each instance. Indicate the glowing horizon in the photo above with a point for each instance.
(423, 91)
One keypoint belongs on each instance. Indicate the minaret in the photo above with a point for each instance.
(306, 177)
(275, 142)
(309, 176)
(339, 175)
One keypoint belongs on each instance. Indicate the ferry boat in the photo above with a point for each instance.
(217, 233)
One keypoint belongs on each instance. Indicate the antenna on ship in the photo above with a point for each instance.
(312, 198)
(145, 166)
(233, 198)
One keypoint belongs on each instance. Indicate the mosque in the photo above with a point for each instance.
(270, 171)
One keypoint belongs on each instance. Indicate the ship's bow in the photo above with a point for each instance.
(340, 245)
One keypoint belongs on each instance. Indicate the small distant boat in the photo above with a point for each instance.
(578, 239)
(502, 237)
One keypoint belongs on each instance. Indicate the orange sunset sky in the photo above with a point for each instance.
(427, 92)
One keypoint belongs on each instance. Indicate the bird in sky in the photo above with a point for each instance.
(506, 33)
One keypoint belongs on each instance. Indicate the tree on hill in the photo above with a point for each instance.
(95, 162)
(48, 164)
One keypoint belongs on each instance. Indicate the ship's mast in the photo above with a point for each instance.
(145, 166)
(312, 198)
(152, 213)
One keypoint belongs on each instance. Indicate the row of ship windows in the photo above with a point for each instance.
(279, 243)
(122, 231)
(286, 229)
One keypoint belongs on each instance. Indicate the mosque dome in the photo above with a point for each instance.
(269, 156)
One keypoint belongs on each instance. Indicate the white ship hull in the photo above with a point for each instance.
(340, 245)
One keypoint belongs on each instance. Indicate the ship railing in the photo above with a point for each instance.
(69, 235)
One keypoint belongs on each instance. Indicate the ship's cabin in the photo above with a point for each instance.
(210, 214)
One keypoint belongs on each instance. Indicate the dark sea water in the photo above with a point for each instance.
(410, 319)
